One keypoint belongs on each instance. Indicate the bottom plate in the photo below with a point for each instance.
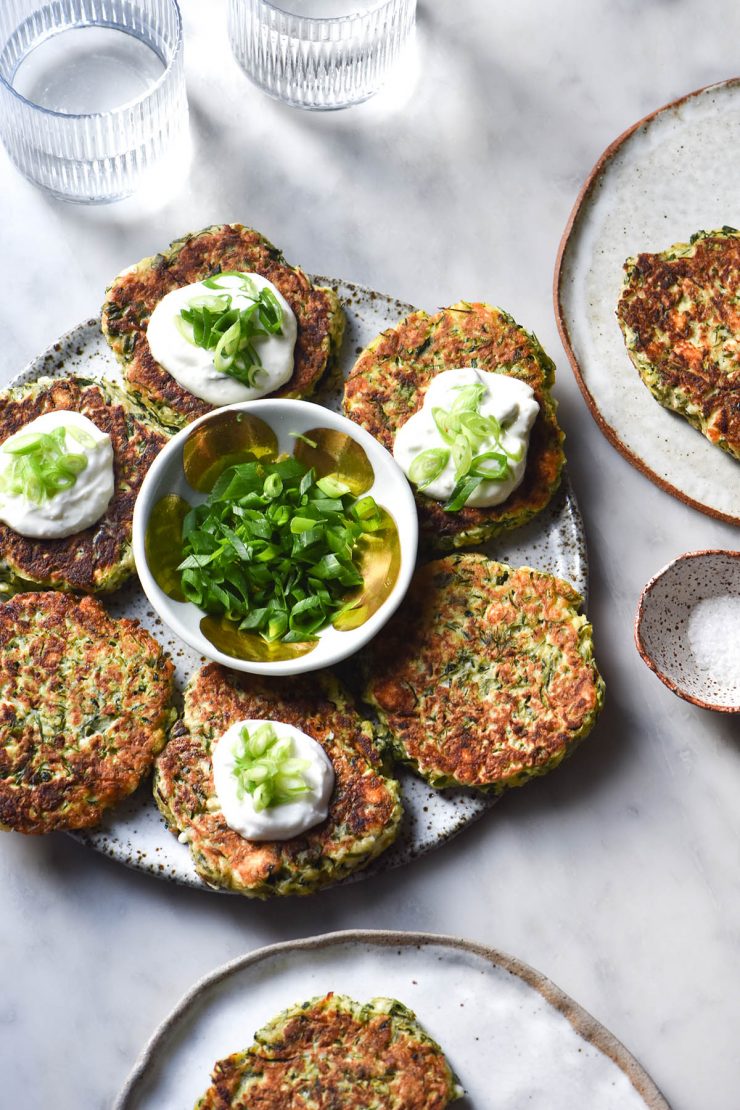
(503, 1026)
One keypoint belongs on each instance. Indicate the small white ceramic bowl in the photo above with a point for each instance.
(688, 625)
(284, 416)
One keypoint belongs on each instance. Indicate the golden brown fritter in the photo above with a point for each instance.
(133, 295)
(331, 1053)
(680, 316)
(387, 385)
(84, 708)
(99, 558)
(365, 808)
(485, 676)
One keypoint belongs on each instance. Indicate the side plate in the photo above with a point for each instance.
(671, 174)
(498, 1021)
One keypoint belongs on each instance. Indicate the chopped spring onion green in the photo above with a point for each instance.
(213, 323)
(40, 464)
(274, 550)
(427, 466)
(465, 430)
(267, 769)
(460, 494)
(304, 439)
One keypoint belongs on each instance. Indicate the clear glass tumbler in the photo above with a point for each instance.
(92, 93)
(320, 54)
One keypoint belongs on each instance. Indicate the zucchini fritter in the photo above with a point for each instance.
(364, 811)
(485, 676)
(333, 1052)
(84, 708)
(133, 295)
(99, 558)
(680, 317)
(387, 385)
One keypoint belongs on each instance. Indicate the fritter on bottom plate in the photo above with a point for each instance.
(364, 811)
(387, 384)
(84, 708)
(485, 676)
(333, 1052)
(99, 558)
(134, 294)
(680, 317)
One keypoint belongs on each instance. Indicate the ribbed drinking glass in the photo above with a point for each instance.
(92, 93)
(320, 54)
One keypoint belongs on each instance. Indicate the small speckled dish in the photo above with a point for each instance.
(687, 625)
(187, 469)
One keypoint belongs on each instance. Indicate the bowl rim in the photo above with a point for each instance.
(647, 658)
(354, 15)
(356, 638)
(116, 113)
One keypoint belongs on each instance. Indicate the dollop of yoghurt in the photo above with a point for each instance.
(193, 367)
(277, 822)
(509, 400)
(70, 510)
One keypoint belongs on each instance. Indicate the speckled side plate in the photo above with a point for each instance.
(134, 833)
(671, 174)
(504, 1027)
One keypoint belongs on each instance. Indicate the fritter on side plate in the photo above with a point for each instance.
(99, 558)
(364, 811)
(680, 316)
(485, 676)
(387, 385)
(133, 295)
(333, 1052)
(85, 703)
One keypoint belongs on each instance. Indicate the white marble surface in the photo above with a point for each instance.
(619, 875)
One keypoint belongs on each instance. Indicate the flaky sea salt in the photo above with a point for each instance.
(714, 638)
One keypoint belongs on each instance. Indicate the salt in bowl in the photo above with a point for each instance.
(687, 628)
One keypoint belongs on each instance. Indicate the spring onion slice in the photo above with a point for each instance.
(303, 439)
(468, 398)
(266, 768)
(427, 466)
(464, 489)
(275, 550)
(41, 466)
(490, 466)
(211, 321)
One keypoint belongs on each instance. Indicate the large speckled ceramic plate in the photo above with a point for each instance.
(134, 833)
(673, 173)
(512, 1037)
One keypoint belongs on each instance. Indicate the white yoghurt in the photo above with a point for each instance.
(512, 403)
(193, 368)
(70, 510)
(280, 822)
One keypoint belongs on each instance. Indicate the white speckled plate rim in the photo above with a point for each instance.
(134, 833)
(671, 174)
(435, 975)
